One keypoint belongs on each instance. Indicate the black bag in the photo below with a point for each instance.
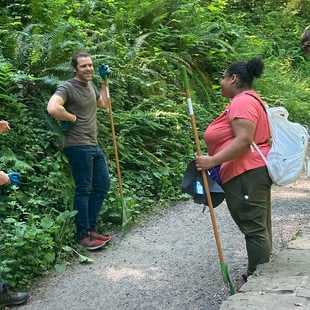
(192, 184)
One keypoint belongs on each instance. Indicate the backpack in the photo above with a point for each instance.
(286, 158)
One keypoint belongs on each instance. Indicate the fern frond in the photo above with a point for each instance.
(9, 159)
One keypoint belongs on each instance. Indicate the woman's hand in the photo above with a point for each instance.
(204, 162)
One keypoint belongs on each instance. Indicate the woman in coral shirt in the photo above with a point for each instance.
(242, 171)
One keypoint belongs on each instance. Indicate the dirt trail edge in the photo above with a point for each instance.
(170, 261)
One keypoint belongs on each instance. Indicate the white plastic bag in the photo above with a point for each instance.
(286, 158)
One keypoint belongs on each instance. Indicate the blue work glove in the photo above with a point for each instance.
(104, 71)
(14, 178)
(66, 126)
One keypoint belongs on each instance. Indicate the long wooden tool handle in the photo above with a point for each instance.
(204, 176)
(119, 176)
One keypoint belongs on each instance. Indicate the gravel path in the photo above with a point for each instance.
(170, 261)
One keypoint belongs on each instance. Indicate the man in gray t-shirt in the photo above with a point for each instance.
(75, 104)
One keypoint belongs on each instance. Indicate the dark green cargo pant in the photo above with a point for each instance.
(248, 198)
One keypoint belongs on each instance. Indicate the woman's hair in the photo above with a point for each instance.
(246, 71)
(75, 57)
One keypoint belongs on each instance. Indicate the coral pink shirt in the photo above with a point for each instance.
(219, 134)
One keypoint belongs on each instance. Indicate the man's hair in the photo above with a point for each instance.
(305, 41)
(75, 57)
(306, 36)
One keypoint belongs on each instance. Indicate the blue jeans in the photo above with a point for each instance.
(92, 182)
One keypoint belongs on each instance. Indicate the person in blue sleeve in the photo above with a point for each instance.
(8, 298)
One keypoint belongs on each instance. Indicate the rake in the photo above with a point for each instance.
(224, 268)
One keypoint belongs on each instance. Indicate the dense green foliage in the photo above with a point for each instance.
(145, 43)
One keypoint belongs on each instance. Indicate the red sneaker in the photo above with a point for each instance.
(90, 243)
(97, 236)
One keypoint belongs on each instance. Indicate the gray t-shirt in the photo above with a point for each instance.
(81, 100)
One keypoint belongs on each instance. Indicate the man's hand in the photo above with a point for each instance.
(104, 71)
(14, 178)
(66, 126)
